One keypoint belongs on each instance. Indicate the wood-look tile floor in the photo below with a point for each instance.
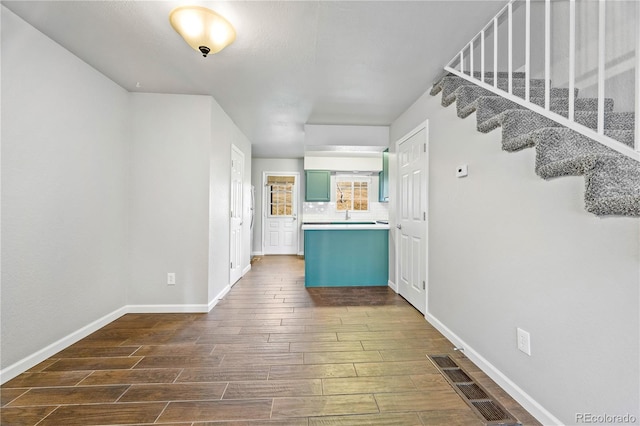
(270, 353)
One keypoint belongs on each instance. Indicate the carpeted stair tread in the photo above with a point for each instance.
(468, 100)
(503, 83)
(563, 152)
(447, 85)
(612, 186)
(619, 120)
(580, 104)
(538, 92)
(557, 103)
(627, 137)
(613, 180)
(501, 74)
(467, 93)
(518, 123)
(517, 128)
(489, 110)
(612, 120)
(450, 83)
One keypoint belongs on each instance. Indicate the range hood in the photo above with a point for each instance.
(345, 148)
(344, 158)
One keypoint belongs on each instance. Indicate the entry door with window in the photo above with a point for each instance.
(412, 217)
(281, 213)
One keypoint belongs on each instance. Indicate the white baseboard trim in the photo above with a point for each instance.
(393, 286)
(219, 296)
(523, 398)
(34, 359)
(301, 253)
(257, 253)
(246, 269)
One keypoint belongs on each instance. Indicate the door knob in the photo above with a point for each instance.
(399, 226)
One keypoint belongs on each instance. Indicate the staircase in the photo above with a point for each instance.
(612, 184)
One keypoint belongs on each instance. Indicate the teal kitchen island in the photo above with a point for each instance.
(346, 254)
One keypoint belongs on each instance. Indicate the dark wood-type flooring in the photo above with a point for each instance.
(270, 353)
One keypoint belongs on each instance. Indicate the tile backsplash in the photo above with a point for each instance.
(318, 212)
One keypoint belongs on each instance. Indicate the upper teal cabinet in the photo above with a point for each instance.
(383, 189)
(318, 185)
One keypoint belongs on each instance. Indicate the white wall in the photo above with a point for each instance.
(224, 133)
(169, 198)
(508, 249)
(258, 167)
(327, 134)
(103, 193)
(64, 195)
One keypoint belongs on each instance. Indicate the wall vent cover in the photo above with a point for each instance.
(476, 397)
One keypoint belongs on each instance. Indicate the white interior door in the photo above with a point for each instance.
(412, 217)
(236, 222)
(280, 213)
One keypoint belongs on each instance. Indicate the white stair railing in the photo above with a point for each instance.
(464, 64)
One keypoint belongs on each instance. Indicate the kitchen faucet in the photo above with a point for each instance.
(346, 215)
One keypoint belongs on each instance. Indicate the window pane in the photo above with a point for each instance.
(287, 203)
(280, 199)
(344, 196)
(361, 196)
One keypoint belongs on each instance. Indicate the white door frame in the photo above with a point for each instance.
(295, 205)
(424, 125)
(236, 218)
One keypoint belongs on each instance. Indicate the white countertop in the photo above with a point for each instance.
(344, 225)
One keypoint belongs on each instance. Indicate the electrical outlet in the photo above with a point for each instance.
(524, 341)
(171, 278)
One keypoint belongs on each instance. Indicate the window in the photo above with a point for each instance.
(352, 194)
(280, 195)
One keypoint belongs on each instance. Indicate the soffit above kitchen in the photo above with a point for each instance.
(292, 63)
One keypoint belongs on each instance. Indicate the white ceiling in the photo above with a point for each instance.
(293, 62)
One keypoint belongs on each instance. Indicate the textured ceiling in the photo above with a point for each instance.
(293, 62)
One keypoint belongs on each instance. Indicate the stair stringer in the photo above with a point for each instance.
(612, 180)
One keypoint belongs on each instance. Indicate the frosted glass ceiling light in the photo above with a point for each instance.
(202, 28)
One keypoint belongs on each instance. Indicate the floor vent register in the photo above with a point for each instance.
(480, 401)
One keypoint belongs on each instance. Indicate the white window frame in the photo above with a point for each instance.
(352, 179)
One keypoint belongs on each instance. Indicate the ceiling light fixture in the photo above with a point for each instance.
(202, 28)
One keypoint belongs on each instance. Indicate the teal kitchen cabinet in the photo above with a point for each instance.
(383, 188)
(318, 185)
(344, 258)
